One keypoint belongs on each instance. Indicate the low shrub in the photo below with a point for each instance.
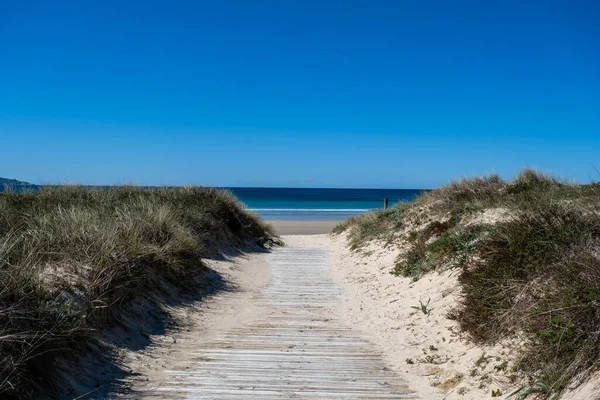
(451, 249)
(540, 274)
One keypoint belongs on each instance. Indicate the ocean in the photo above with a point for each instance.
(309, 204)
(318, 204)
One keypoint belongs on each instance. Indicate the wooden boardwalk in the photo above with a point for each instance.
(296, 349)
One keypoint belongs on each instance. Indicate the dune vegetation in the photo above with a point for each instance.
(527, 253)
(74, 261)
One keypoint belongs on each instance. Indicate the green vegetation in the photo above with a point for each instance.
(380, 224)
(454, 248)
(73, 262)
(528, 252)
(423, 307)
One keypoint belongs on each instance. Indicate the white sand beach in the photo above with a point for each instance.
(303, 227)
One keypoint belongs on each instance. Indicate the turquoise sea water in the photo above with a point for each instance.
(309, 204)
(318, 204)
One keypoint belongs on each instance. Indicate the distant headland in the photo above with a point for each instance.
(6, 181)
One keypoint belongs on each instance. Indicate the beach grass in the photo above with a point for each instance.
(528, 255)
(73, 260)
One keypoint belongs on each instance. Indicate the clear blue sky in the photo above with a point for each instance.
(298, 93)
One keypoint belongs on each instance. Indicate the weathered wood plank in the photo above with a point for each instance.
(297, 349)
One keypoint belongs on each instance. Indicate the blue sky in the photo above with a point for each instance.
(298, 93)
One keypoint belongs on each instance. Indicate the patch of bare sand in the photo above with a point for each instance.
(427, 350)
(489, 216)
(303, 227)
(590, 390)
(199, 323)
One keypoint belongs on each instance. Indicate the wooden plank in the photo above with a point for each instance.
(296, 349)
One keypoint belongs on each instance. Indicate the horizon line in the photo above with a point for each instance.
(212, 186)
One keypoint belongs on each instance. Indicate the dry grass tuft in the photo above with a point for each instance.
(375, 225)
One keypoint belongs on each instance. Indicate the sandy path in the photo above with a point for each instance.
(283, 340)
